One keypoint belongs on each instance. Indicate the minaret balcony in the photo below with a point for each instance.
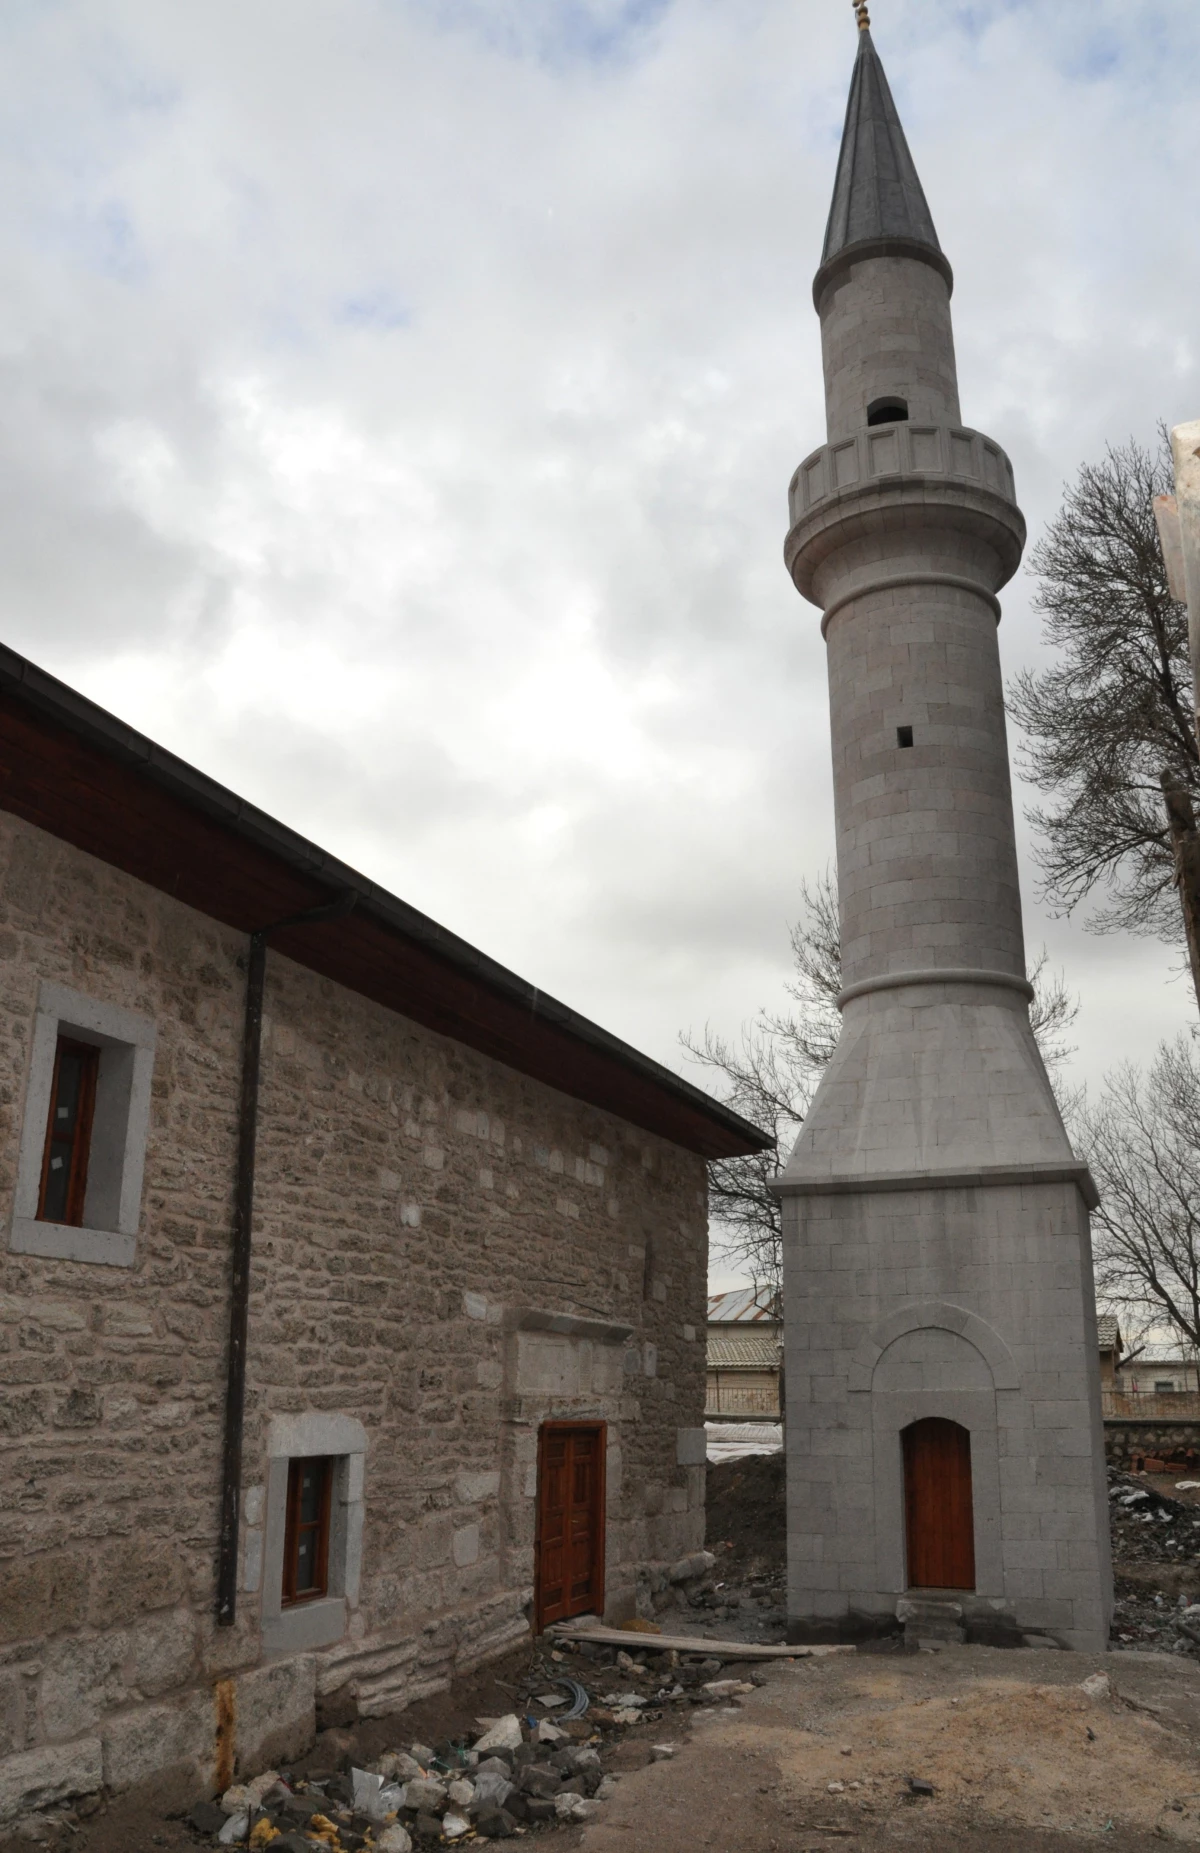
(912, 488)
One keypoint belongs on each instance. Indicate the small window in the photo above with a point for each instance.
(84, 1131)
(1164, 1383)
(68, 1133)
(306, 1541)
(887, 412)
(904, 736)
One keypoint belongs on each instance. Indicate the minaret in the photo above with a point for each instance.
(945, 1446)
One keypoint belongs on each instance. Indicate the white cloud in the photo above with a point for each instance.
(400, 398)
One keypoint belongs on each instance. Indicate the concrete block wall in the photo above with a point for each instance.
(926, 858)
(416, 1205)
(971, 1304)
(886, 333)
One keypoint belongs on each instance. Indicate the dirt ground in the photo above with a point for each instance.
(1019, 1757)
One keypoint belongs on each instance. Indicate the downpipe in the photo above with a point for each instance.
(241, 1248)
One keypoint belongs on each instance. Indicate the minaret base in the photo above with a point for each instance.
(971, 1303)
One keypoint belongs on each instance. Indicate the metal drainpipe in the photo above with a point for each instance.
(243, 1220)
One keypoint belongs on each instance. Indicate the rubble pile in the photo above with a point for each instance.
(719, 1585)
(1151, 1531)
(747, 1535)
(538, 1767)
(1148, 1526)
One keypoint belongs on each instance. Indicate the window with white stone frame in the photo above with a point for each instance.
(306, 1600)
(78, 1194)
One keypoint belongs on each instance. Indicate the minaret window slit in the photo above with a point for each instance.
(887, 412)
(904, 736)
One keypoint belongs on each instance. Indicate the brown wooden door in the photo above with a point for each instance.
(569, 1547)
(939, 1517)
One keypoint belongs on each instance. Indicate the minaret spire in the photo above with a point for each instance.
(877, 194)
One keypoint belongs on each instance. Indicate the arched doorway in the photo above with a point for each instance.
(938, 1512)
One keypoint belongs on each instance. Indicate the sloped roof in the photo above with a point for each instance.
(743, 1306)
(877, 194)
(72, 769)
(1108, 1332)
(741, 1350)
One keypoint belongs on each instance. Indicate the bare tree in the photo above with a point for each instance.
(1113, 714)
(770, 1073)
(1142, 1142)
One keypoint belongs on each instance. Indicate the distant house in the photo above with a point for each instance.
(745, 1348)
(1159, 1370)
(1108, 1334)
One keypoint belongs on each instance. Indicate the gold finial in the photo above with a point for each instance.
(862, 16)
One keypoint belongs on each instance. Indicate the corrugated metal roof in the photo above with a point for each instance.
(743, 1350)
(744, 1306)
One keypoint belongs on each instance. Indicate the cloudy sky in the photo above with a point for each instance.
(399, 399)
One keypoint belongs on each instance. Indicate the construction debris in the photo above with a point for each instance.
(1156, 1560)
(537, 1768)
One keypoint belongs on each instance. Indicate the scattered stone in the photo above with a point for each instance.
(836, 1788)
(1098, 1686)
(503, 1734)
(492, 1789)
(427, 1827)
(425, 1794)
(293, 1842)
(461, 1792)
(540, 1781)
(662, 1753)
(394, 1839)
(423, 1754)
(564, 1805)
(607, 1789)
(548, 1733)
(726, 1688)
(236, 1828)
(495, 1824)
(238, 1799)
(624, 1661)
(917, 1785)
(494, 1766)
(207, 1818)
(398, 1766)
(454, 1826)
(298, 1808)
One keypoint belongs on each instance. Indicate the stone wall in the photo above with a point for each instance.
(425, 1218)
(1128, 1443)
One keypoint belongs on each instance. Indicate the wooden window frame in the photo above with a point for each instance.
(81, 1149)
(293, 1528)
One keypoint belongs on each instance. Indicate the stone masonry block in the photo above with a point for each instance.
(39, 1779)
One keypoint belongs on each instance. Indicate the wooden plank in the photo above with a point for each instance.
(634, 1639)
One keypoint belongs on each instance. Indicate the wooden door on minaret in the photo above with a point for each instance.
(938, 1509)
(569, 1545)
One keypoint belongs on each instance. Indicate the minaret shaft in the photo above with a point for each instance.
(886, 334)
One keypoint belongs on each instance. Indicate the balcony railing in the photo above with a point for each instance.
(1151, 1405)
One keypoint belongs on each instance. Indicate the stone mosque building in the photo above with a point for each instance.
(945, 1452)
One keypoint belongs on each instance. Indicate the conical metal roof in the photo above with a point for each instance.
(877, 194)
